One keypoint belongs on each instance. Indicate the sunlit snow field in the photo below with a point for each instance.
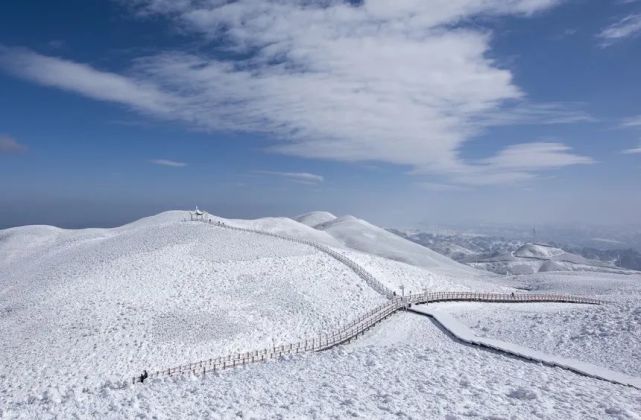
(82, 311)
(607, 335)
(106, 305)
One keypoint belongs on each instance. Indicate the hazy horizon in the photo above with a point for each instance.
(403, 114)
(597, 236)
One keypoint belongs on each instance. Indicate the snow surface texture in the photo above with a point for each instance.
(465, 334)
(607, 335)
(85, 306)
(341, 257)
(315, 218)
(361, 324)
(407, 368)
(538, 251)
(584, 246)
(159, 292)
(360, 235)
(392, 260)
(416, 279)
(538, 258)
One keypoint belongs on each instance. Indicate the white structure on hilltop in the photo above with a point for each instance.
(198, 215)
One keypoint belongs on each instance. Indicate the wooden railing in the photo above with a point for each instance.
(357, 269)
(355, 328)
(428, 297)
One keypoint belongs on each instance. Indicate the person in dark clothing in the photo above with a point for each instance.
(143, 376)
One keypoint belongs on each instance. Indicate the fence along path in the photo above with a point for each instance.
(360, 271)
(467, 335)
(355, 328)
(428, 297)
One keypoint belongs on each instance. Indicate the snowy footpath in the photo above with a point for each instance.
(404, 369)
(465, 334)
(83, 309)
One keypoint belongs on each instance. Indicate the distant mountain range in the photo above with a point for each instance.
(515, 256)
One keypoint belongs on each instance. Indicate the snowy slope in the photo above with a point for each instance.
(607, 335)
(86, 309)
(534, 258)
(360, 235)
(315, 218)
(466, 335)
(353, 234)
(90, 305)
(393, 274)
(538, 251)
(389, 257)
(282, 226)
(407, 368)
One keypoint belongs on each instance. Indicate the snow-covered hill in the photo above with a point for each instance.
(473, 248)
(534, 258)
(160, 292)
(83, 310)
(538, 251)
(388, 256)
(315, 218)
(88, 305)
(360, 235)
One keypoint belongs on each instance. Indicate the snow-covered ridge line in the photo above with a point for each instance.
(360, 271)
(465, 334)
(355, 328)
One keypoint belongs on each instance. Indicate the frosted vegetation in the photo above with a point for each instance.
(85, 310)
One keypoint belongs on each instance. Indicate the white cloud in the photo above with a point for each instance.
(85, 80)
(166, 162)
(546, 113)
(303, 177)
(537, 155)
(631, 122)
(627, 27)
(10, 145)
(518, 163)
(404, 82)
(633, 151)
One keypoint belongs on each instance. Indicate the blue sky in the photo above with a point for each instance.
(405, 112)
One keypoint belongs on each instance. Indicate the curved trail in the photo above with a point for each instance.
(355, 328)
(466, 335)
(365, 321)
(360, 271)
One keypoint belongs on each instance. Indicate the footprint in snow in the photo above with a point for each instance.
(522, 394)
